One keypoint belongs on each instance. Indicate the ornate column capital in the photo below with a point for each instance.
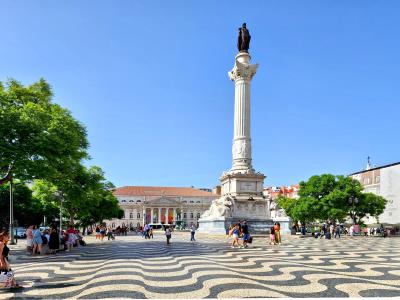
(242, 71)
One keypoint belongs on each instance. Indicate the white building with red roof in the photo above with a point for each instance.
(161, 205)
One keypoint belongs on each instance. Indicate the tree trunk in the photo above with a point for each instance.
(7, 177)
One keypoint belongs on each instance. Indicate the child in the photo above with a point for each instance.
(272, 236)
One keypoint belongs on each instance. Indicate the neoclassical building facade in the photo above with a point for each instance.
(161, 205)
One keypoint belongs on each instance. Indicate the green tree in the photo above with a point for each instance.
(28, 209)
(85, 194)
(368, 204)
(38, 138)
(329, 197)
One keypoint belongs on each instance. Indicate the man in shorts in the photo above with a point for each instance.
(246, 234)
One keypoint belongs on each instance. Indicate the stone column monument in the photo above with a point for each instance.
(241, 187)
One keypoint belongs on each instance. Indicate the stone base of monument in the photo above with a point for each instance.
(221, 225)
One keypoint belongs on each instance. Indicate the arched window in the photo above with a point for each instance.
(191, 215)
(198, 215)
(131, 216)
(131, 201)
(138, 215)
(138, 201)
(123, 200)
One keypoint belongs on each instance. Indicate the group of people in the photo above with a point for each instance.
(147, 231)
(102, 231)
(240, 231)
(331, 230)
(49, 241)
(275, 234)
(42, 242)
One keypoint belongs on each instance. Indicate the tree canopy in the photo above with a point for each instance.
(332, 198)
(28, 209)
(38, 138)
(84, 195)
(41, 141)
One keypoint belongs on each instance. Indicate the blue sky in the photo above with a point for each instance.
(149, 80)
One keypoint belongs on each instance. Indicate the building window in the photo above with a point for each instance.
(123, 201)
(138, 201)
(131, 201)
(184, 201)
(113, 225)
(191, 201)
(198, 215)
(366, 180)
(191, 215)
(138, 215)
(131, 216)
(198, 202)
(184, 215)
(377, 179)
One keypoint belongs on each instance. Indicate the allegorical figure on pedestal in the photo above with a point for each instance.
(244, 39)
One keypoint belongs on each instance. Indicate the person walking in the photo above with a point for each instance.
(168, 234)
(352, 230)
(246, 234)
(192, 233)
(235, 231)
(337, 232)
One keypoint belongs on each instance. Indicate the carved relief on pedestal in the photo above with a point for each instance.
(241, 149)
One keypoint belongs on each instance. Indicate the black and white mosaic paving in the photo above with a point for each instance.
(131, 267)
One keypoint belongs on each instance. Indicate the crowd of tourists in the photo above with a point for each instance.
(330, 230)
(102, 231)
(49, 241)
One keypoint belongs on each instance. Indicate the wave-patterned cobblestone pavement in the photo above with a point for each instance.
(132, 267)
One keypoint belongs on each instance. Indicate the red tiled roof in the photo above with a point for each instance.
(160, 191)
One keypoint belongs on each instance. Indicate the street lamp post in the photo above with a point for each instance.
(59, 195)
(11, 228)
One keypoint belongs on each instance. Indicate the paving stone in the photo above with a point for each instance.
(132, 267)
